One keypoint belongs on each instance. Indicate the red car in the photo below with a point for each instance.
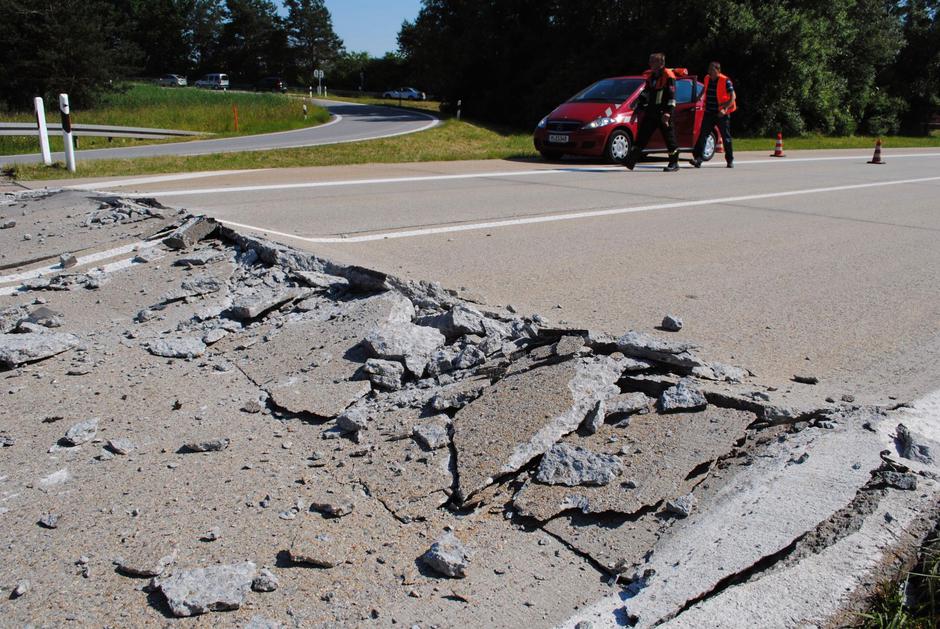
(595, 122)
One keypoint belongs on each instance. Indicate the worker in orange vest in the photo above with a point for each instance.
(658, 101)
(720, 101)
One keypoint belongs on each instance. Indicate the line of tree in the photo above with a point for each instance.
(837, 67)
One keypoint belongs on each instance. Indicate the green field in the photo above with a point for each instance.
(188, 108)
(451, 140)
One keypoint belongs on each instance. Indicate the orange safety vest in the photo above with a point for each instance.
(724, 98)
(667, 73)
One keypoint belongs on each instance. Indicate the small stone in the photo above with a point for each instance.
(584, 624)
(82, 432)
(121, 446)
(848, 398)
(315, 550)
(385, 374)
(21, 588)
(265, 581)
(252, 406)
(332, 505)
(805, 379)
(910, 447)
(684, 396)
(672, 323)
(50, 521)
(898, 480)
(8, 225)
(214, 336)
(432, 434)
(188, 347)
(447, 556)
(68, 260)
(212, 445)
(212, 534)
(681, 506)
(352, 420)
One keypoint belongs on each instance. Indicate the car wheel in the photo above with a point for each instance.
(552, 156)
(711, 143)
(618, 146)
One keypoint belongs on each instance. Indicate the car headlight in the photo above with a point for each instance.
(597, 123)
(543, 122)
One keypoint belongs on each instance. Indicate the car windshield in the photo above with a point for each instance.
(608, 91)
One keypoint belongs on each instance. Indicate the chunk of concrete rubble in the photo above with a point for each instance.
(720, 372)
(82, 432)
(568, 346)
(323, 281)
(44, 317)
(406, 342)
(661, 457)
(448, 557)
(898, 480)
(330, 504)
(571, 466)
(265, 581)
(684, 396)
(681, 506)
(253, 305)
(639, 345)
(911, 446)
(595, 418)
(68, 260)
(458, 321)
(147, 255)
(7, 224)
(23, 586)
(121, 446)
(50, 520)
(185, 347)
(625, 404)
(522, 416)
(385, 374)
(19, 349)
(190, 232)
(214, 335)
(148, 560)
(208, 445)
(353, 420)
(260, 622)
(433, 433)
(202, 285)
(199, 258)
(362, 279)
(671, 323)
(315, 549)
(202, 590)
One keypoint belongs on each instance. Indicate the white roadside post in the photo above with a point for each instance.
(67, 132)
(43, 130)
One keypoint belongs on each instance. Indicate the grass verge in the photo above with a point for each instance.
(920, 607)
(187, 108)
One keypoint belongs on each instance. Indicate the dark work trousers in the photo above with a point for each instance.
(709, 122)
(652, 120)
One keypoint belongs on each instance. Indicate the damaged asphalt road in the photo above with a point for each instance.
(197, 421)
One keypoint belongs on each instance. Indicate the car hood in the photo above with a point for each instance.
(582, 112)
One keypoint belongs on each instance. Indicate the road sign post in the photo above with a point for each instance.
(318, 75)
(43, 131)
(67, 132)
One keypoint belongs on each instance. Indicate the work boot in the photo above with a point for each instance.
(696, 162)
(630, 160)
(730, 164)
(673, 165)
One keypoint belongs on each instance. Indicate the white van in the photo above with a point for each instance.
(213, 82)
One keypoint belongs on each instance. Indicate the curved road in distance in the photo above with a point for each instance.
(350, 123)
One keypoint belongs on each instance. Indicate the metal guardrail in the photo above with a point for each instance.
(109, 131)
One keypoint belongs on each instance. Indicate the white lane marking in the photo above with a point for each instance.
(510, 173)
(119, 183)
(572, 215)
(91, 258)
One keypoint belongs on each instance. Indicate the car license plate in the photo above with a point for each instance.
(558, 139)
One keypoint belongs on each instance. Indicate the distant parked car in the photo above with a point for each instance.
(213, 82)
(405, 93)
(272, 84)
(172, 80)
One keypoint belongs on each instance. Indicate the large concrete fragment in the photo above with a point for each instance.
(404, 341)
(659, 455)
(761, 511)
(457, 321)
(310, 366)
(17, 349)
(673, 353)
(254, 304)
(216, 588)
(189, 233)
(618, 543)
(522, 416)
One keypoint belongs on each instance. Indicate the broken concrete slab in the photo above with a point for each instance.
(662, 457)
(684, 396)
(146, 559)
(216, 588)
(385, 374)
(199, 258)
(618, 543)
(458, 321)
(433, 433)
(19, 349)
(253, 305)
(191, 232)
(522, 416)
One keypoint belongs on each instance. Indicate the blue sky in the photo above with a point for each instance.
(371, 25)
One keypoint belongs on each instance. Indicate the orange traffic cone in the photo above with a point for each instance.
(721, 145)
(876, 158)
(778, 150)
